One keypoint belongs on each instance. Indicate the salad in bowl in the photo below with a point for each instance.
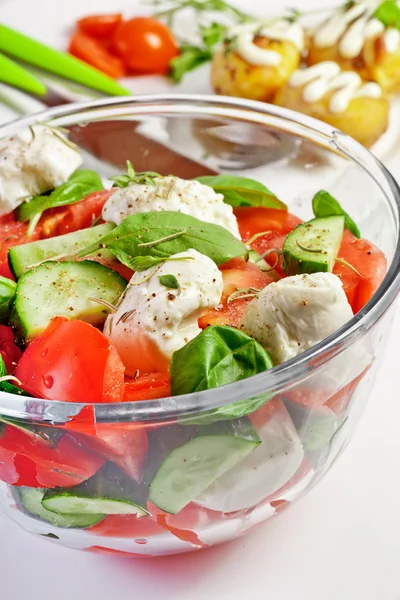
(127, 300)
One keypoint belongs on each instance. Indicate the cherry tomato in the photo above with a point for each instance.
(34, 462)
(369, 261)
(74, 362)
(148, 387)
(95, 54)
(10, 352)
(236, 274)
(100, 26)
(145, 45)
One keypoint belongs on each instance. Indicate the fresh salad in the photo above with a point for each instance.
(155, 286)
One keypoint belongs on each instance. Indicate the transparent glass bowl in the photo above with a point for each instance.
(304, 411)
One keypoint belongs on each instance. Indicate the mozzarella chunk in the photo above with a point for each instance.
(172, 194)
(153, 321)
(32, 162)
(296, 313)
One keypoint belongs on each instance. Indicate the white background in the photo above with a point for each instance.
(341, 542)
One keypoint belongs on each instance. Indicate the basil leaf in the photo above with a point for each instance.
(142, 263)
(170, 281)
(218, 356)
(161, 234)
(79, 185)
(388, 13)
(241, 191)
(325, 205)
(229, 411)
(7, 292)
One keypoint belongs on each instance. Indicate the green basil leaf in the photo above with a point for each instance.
(190, 58)
(7, 292)
(142, 263)
(170, 281)
(161, 234)
(212, 34)
(218, 356)
(81, 183)
(241, 191)
(388, 13)
(229, 411)
(325, 205)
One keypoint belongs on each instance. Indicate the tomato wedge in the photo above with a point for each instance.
(100, 26)
(236, 273)
(95, 54)
(147, 387)
(12, 233)
(10, 352)
(127, 526)
(39, 463)
(74, 362)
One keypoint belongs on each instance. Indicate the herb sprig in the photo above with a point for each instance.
(131, 176)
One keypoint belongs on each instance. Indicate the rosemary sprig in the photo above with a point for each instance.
(142, 178)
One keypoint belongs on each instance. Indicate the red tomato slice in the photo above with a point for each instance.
(10, 352)
(100, 26)
(236, 274)
(124, 444)
(40, 464)
(12, 233)
(93, 52)
(74, 362)
(148, 387)
(127, 526)
(145, 45)
(369, 261)
(81, 215)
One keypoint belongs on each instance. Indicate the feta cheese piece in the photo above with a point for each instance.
(153, 321)
(172, 194)
(296, 313)
(32, 162)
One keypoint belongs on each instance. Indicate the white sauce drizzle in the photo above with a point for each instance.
(278, 29)
(350, 29)
(324, 77)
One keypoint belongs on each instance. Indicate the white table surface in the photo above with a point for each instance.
(341, 542)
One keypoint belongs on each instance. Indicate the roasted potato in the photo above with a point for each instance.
(364, 119)
(231, 75)
(374, 63)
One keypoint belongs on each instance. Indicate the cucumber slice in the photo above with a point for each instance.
(312, 247)
(264, 471)
(63, 289)
(21, 258)
(109, 492)
(191, 467)
(30, 501)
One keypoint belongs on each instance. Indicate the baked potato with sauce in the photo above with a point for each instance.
(231, 75)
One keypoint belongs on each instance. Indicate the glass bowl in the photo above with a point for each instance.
(304, 411)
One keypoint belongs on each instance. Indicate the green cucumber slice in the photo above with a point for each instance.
(193, 466)
(30, 501)
(22, 258)
(109, 492)
(63, 289)
(312, 246)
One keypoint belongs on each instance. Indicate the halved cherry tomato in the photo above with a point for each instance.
(66, 219)
(12, 233)
(127, 526)
(371, 264)
(145, 45)
(236, 273)
(10, 352)
(39, 463)
(95, 54)
(74, 362)
(148, 387)
(100, 26)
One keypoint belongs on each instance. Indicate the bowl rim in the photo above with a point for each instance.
(257, 386)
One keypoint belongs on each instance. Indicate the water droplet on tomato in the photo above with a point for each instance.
(45, 351)
(48, 381)
(140, 541)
